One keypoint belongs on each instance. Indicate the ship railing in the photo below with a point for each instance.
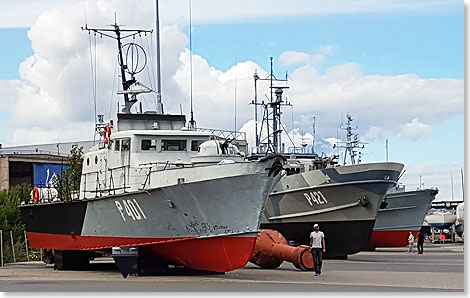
(112, 187)
(154, 167)
(225, 134)
(122, 178)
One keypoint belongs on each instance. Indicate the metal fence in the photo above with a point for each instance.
(12, 251)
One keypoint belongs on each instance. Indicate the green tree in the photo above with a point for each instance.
(10, 220)
(68, 181)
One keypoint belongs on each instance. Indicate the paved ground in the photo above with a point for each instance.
(440, 268)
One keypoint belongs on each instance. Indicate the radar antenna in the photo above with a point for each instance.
(131, 64)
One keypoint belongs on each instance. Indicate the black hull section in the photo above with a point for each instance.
(341, 238)
(65, 218)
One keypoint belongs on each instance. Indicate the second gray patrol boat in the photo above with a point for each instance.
(401, 212)
(343, 200)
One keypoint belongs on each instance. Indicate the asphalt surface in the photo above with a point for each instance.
(439, 269)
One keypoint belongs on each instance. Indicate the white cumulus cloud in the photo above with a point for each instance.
(416, 130)
(54, 98)
(295, 58)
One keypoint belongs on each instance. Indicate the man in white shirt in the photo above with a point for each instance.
(411, 240)
(317, 243)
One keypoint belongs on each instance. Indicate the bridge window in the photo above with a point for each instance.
(149, 145)
(126, 144)
(117, 145)
(173, 145)
(195, 145)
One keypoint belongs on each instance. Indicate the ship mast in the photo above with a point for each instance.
(352, 142)
(275, 104)
(132, 68)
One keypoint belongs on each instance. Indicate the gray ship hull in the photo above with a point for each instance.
(404, 212)
(207, 225)
(344, 201)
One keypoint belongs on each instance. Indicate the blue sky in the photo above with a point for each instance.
(430, 46)
(413, 49)
(16, 47)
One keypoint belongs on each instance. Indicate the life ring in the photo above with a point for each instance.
(107, 133)
(35, 194)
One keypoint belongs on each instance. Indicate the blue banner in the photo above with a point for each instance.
(43, 173)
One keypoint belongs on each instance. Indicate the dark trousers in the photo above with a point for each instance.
(317, 254)
(420, 247)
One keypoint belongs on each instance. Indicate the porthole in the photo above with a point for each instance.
(96, 160)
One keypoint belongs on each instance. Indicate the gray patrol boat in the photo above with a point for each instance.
(343, 200)
(155, 193)
(401, 212)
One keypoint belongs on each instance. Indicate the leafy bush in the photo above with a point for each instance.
(10, 220)
(68, 181)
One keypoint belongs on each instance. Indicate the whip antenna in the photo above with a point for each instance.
(158, 74)
(192, 123)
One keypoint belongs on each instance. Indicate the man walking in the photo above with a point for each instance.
(411, 240)
(420, 242)
(317, 243)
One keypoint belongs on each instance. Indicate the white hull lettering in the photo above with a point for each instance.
(118, 205)
(315, 197)
(131, 208)
(140, 209)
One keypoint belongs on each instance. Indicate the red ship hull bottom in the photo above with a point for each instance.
(219, 254)
(390, 238)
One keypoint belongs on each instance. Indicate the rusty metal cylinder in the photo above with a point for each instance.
(300, 256)
(262, 252)
(271, 250)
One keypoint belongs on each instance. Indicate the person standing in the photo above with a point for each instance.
(411, 240)
(420, 242)
(317, 243)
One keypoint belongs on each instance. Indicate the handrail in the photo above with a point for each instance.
(226, 134)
